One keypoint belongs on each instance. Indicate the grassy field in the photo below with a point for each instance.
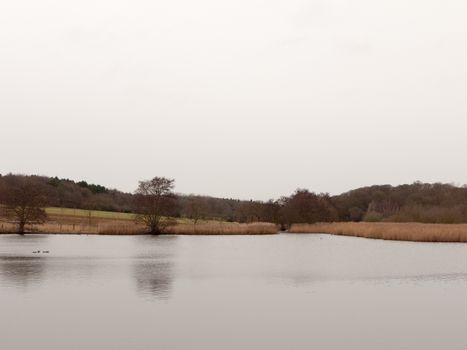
(82, 213)
(392, 231)
(67, 214)
(79, 221)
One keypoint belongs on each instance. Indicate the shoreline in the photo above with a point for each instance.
(124, 228)
(135, 234)
(409, 232)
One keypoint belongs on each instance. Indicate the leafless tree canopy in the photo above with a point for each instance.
(197, 208)
(304, 206)
(23, 198)
(155, 203)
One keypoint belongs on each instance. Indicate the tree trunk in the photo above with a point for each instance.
(155, 230)
(21, 228)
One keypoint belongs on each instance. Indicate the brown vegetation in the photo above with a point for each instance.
(417, 202)
(392, 231)
(155, 204)
(23, 199)
(69, 194)
(121, 228)
(259, 228)
(77, 225)
(304, 206)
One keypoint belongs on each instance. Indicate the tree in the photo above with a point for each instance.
(155, 202)
(308, 207)
(249, 211)
(197, 208)
(271, 212)
(24, 198)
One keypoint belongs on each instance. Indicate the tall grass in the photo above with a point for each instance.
(259, 228)
(51, 227)
(125, 227)
(106, 227)
(392, 231)
(6, 227)
(121, 228)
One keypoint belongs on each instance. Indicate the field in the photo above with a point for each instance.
(82, 213)
(79, 221)
(392, 231)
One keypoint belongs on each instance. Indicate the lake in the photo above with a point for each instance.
(230, 292)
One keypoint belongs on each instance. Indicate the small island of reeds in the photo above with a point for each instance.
(413, 231)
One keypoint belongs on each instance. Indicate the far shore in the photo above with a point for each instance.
(75, 221)
(67, 225)
(416, 232)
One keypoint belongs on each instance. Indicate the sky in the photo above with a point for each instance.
(245, 99)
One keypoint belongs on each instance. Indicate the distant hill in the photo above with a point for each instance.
(417, 202)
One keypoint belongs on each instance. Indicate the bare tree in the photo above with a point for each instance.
(249, 211)
(304, 206)
(271, 212)
(197, 208)
(23, 198)
(155, 202)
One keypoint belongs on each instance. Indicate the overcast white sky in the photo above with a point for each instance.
(245, 98)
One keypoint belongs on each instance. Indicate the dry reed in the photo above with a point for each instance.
(104, 227)
(391, 231)
(124, 227)
(6, 227)
(121, 228)
(259, 228)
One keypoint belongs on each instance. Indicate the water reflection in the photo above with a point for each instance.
(154, 277)
(300, 280)
(21, 271)
(25, 243)
(153, 268)
(429, 277)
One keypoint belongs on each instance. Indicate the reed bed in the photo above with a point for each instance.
(121, 228)
(124, 227)
(6, 227)
(60, 228)
(259, 228)
(115, 227)
(417, 232)
(52, 228)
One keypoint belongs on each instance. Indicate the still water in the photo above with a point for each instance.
(230, 292)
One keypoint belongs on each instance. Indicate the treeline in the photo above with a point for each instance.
(68, 193)
(417, 202)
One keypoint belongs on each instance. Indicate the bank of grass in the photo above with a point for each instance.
(121, 227)
(417, 232)
(67, 215)
(93, 214)
(79, 221)
(213, 228)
